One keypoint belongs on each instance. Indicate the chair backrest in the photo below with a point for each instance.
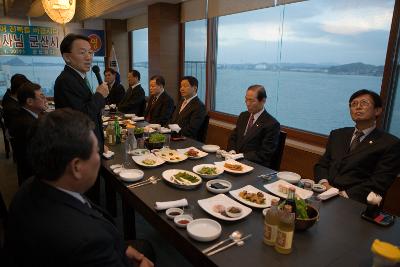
(277, 156)
(203, 130)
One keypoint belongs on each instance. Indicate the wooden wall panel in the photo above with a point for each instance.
(164, 34)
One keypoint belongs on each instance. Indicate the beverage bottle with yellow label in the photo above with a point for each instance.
(110, 134)
(271, 222)
(284, 236)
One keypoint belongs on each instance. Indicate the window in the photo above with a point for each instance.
(311, 56)
(394, 113)
(140, 53)
(195, 53)
(42, 70)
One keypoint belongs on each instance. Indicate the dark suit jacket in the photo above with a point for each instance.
(260, 142)
(20, 129)
(53, 228)
(134, 101)
(71, 91)
(191, 118)
(11, 109)
(371, 166)
(117, 93)
(160, 112)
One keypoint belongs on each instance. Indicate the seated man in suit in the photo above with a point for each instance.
(191, 112)
(33, 102)
(160, 106)
(50, 221)
(116, 89)
(257, 133)
(134, 100)
(361, 159)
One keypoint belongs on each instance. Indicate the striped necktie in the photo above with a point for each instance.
(357, 140)
(88, 83)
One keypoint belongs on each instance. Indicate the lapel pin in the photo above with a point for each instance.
(371, 142)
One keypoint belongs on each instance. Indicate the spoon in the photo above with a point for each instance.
(236, 235)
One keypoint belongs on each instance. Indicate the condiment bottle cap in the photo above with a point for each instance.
(386, 250)
(287, 208)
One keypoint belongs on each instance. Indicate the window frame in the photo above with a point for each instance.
(387, 86)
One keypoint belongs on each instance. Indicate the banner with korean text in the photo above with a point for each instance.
(29, 40)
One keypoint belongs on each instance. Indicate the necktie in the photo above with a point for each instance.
(356, 140)
(148, 117)
(183, 105)
(88, 83)
(250, 124)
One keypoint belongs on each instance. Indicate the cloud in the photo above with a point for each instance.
(234, 34)
(355, 21)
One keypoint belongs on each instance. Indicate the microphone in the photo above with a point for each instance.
(96, 71)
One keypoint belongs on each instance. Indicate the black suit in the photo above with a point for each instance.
(134, 101)
(11, 108)
(260, 141)
(71, 91)
(117, 93)
(191, 118)
(161, 110)
(48, 227)
(20, 129)
(371, 166)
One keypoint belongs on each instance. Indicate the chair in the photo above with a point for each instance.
(203, 130)
(277, 156)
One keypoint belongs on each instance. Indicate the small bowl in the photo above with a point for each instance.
(232, 214)
(319, 188)
(216, 190)
(173, 212)
(129, 116)
(155, 126)
(210, 148)
(304, 224)
(204, 230)
(183, 220)
(307, 181)
(290, 177)
(131, 175)
(151, 146)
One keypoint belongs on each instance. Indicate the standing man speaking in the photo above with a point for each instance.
(72, 88)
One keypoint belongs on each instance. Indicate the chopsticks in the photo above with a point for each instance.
(229, 245)
(147, 181)
(267, 176)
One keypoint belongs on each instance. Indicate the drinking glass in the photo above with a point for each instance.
(167, 140)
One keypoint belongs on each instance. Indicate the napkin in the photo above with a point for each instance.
(374, 199)
(148, 129)
(175, 127)
(233, 156)
(171, 204)
(331, 192)
(108, 154)
(138, 118)
(165, 130)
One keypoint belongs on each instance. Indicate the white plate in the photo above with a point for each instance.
(105, 118)
(274, 189)
(290, 177)
(114, 166)
(118, 169)
(200, 154)
(219, 191)
(219, 170)
(131, 175)
(245, 168)
(154, 126)
(139, 152)
(252, 189)
(129, 115)
(168, 176)
(208, 204)
(204, 229)
(165, 130)
(170, 155)
(210, 148)
(139, 160)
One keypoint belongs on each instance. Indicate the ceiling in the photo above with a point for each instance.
(87, 9)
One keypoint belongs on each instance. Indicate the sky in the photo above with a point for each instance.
(315, 31)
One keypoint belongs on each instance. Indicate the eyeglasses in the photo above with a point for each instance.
(363, 103)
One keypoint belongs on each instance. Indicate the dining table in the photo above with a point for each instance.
(339, 238)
